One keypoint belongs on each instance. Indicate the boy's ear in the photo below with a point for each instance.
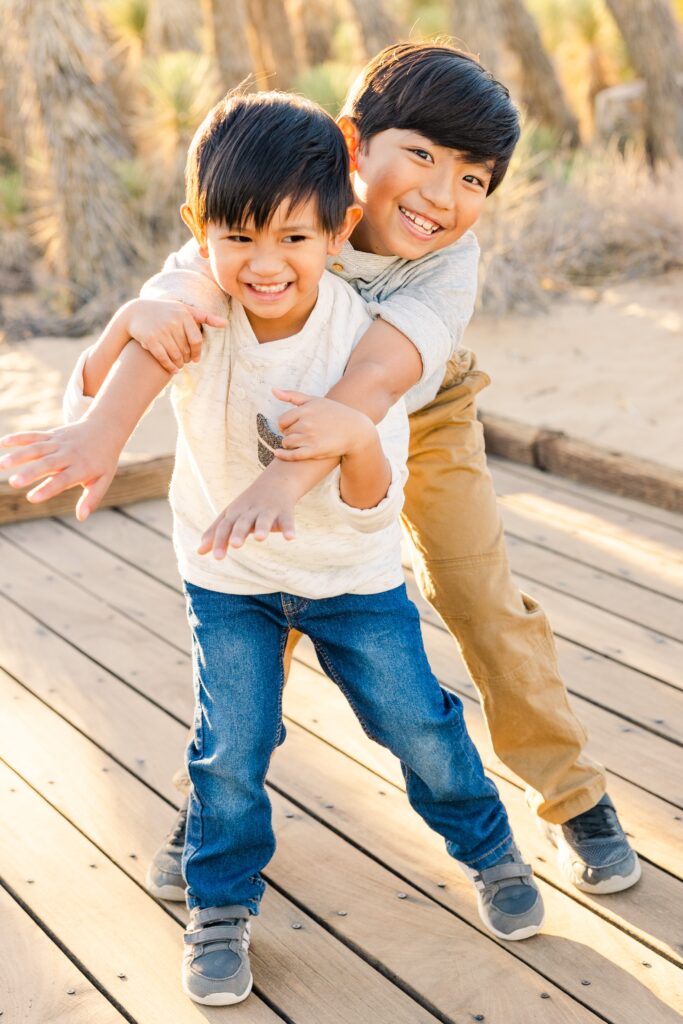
(351, 218)
(351, 137)
(197, 229)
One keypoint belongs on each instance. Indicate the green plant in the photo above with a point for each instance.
(11, 198)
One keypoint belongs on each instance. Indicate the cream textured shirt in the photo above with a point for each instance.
(227, 429)
(430, 300)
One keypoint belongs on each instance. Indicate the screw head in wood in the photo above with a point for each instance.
(296, 925)
(402, 895)
(585, 982)
(122, 976)
(342, 913)
(71, 991)
(645, 963)
(545, 995)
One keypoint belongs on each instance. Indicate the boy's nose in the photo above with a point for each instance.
(266, 262)
(439, 190)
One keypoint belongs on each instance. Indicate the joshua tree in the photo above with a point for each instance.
(228, 40)
(477, 28)
(273, 41)
(315, 21)
(542, 92)
(377, 26)
(72, 142)
(653, 39)
(172, 25)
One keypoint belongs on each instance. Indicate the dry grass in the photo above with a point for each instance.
(595, 218)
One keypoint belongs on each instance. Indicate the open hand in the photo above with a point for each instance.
(71, 456)
(319, 428)
(257, 511)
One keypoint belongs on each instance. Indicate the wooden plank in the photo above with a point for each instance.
(602, 501)
(137, 478)
(125, 940)
(54, 766)
(613, 543)
(39, 982)
(137, 656)
(533, 563)
(447, 963)
(555, 452)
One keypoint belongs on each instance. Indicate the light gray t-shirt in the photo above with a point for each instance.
(430, 300)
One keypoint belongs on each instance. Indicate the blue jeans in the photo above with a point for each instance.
(371, 647)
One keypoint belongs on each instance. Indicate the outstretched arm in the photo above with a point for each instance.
(86, 453)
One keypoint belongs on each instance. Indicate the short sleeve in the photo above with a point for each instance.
(435, 302)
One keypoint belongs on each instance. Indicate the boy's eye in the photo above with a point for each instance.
(238, 238)
(295, 238)
(473, 179)
(423, 154)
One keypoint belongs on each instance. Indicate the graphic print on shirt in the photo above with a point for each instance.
(268, 440)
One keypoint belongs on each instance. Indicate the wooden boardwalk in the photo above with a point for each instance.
(366, 920)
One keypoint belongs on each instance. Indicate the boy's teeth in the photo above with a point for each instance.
(421, 222)
(270, 287)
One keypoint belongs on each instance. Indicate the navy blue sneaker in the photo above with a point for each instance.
(593, 852)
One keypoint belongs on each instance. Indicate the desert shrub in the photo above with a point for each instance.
(557, 222)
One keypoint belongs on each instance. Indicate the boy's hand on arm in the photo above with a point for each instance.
(169, 330)
(383, 366)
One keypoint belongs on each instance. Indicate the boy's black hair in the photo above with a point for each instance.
(442, 93)
(254, 151)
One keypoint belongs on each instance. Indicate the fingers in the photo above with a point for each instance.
(294, 397)
(285, 522)
(27, 437)
(27, 454)
(37, 470)
(194, 338)
(293, 455)
(170, 360)
(92, 495)
(289, 419)
(207, 318)
(53, 486)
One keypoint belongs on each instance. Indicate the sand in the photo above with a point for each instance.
(603, 367)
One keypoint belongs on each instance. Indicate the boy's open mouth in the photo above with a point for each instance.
(418, 224)
(268, 292)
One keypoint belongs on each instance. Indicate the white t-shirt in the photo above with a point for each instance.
(227, 427)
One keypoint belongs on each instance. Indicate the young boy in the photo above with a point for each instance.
(430, 134)
(269, 199)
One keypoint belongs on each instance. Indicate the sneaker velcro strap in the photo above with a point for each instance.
(230, 913)
(500, 872)
(215, 933)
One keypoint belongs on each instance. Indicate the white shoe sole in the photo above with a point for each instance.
(617, 883)
(219, 998)
(516, 936)
(172, 893)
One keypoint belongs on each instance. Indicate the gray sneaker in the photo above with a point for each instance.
(510, 904)
(216, 969)
(593, 852)
(165, 874)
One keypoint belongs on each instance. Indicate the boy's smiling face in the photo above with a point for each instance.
(416, 197)
(273, 271)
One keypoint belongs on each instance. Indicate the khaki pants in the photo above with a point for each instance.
(452, 519)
